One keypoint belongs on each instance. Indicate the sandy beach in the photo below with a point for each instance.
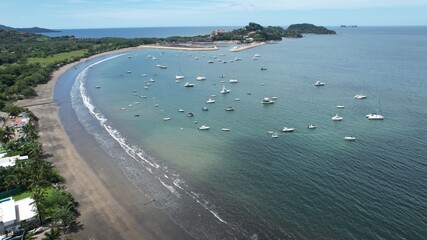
(179, 47)
(246, 46)
(110, 206)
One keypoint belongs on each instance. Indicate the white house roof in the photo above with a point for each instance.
(7, 211)
(25, 209)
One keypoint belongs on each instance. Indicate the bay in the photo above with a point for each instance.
(309, 184)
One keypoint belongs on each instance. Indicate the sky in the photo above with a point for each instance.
(77, 14)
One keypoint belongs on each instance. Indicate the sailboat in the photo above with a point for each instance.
(233, 80)
(200, 77)
(179, 76)
(224, 90)
(376, 116)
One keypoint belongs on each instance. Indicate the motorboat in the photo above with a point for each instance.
(224, 90)
(163, 67)
(286, 129)
(312, 126)
(225, 129)
(200, 78)
(180, 110)
(178, 77)
(263, 68)
(267, 100)
(229, 109)
(340, 106)
(210, 100)
(319, 83)
(190, 114)
(274, 135)
(204, 127)
(237, 99)
(151, 80)
(166, 118)
(222, 76)
(205, 109)
(360, 96)
(336, 118)
(210, 61)
(234, 81)
(187, 84)
(97, 86)
(375, 116)
(349, 138)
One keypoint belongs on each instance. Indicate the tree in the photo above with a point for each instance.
(6, 134)
(53, 234)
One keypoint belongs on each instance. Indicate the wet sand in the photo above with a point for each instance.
(110, 206)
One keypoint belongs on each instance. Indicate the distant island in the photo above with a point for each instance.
(254, 32)
(28, 30)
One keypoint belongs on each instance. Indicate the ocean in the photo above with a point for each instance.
(245, 184)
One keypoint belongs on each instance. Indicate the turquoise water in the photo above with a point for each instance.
(309, 184)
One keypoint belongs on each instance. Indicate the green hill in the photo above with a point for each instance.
(309, 28)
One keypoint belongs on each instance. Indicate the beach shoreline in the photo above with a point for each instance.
(110, 206)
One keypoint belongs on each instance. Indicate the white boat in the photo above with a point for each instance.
(237, 99)
(222, 76)
(340, 106)
(179, 77)
(336, 118)
(312, 126)
(166, 118)
(158, 65)
(200, 78)
(151, 80)
(210, 61)
(187, 84)
(375, 116)
(163, 67)
(180, 110)
(267, 101)
(204, 127)
(349, 138)
(129, 71)
(319, 83)
(210, 100)
(97, 86)
(360, 96)
(225, 129)
(234, 81)
(274, 135)
(257, 55)
(205, 109)
(229, 109)
(286, 129)
(224, 90)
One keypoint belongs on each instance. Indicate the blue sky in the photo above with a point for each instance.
(68, 14)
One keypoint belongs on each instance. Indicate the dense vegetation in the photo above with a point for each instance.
(29, 30)
(257, 33)
(310, 28)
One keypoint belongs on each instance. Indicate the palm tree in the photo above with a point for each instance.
(53, 234)
(6, 134)
(39, 197)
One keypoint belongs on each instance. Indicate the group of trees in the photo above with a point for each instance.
(259, 33)
(54, 204)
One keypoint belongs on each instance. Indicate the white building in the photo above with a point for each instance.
(12, 213)
(10, 161)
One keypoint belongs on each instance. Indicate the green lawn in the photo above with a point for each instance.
(57, 57)
(22, 195)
